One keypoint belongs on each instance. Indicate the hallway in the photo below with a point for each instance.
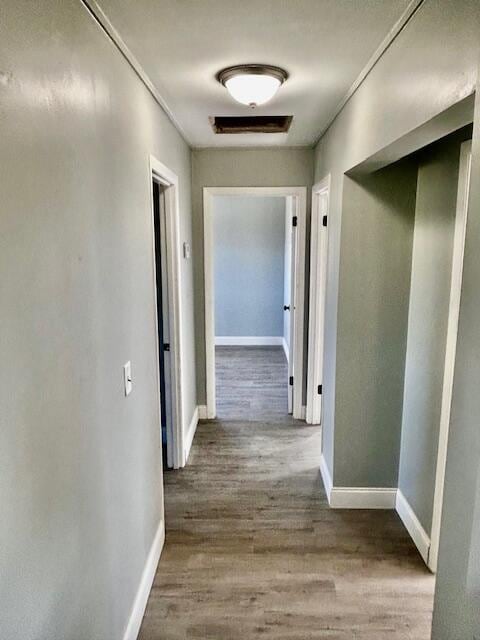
(252, 548)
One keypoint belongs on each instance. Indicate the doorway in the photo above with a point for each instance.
(166, 269)
(290, 307)
(442, 187)
(163, 328)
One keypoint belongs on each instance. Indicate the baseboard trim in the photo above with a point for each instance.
(192, 427)
(326, 477)
(377, 498)
(413, 526)
(248, 341)
(285, 349)
(148, 575)
(202, 412)
(362, 498)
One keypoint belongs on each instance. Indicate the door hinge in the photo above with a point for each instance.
(166, 346)
(324, 221)
(320, 389)
(294, 221)
(290, 381)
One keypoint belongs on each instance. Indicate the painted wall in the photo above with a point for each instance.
(249, 247)
(397, 97)
(287, 273)
(80, 464)
(457, 597)
(237, 168)
(427, 322)
(376, 253)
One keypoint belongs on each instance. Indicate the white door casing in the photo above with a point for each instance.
(318, 283)
(299, 197)
(169, 180)
(292, 302)
(451, 345)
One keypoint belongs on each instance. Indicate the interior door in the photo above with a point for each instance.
(318, 282)
(291, 342)
(163, 321)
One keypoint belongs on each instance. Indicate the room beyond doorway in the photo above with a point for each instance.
(258, 270)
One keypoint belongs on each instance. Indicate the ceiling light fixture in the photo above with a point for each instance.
(252, 84)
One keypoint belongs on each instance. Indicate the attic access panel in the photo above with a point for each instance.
(251, 124)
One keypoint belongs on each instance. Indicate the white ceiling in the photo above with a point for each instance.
(323, 44)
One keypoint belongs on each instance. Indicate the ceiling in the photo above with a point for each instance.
(323, 44)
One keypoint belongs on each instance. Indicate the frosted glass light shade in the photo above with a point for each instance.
(252, 89)
(252, 84)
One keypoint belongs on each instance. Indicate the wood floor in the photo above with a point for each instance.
(251, 383)
(252, 549)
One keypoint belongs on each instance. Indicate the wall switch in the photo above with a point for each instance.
(127, 378)
(186, 251)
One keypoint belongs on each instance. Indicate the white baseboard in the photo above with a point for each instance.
(362, 498)
(192, 427)
(326, 477)
(413, 526)
(376, 498)
(355, 497)
(249, 341)
(148, 575)
(202, 412)
(285, 349)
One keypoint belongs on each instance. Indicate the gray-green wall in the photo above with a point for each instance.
(276, 167)
(427, 322)
(431, 66)
(426, 70)
(249, 257)
(80, 464)
(375, 266)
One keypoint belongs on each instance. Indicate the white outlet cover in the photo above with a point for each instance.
(127, 378)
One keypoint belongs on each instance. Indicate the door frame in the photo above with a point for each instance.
(451, 345)
(300, 198)
(169, 180)
(318, 282)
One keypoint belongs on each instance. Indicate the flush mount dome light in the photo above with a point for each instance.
(252, 84)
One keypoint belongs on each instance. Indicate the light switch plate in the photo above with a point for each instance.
(186, 251)
(127, 378)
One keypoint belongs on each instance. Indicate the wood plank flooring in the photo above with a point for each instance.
(252, 549)
(251, 383)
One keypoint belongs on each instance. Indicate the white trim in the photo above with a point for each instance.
(326, 477)
(146, 581)
(300, 194)
(413, 525)
(169, 179)
(285, 349)
(451, 344)
(189, 436)
(397, 28)
(317, 300)
(249, 341)
(202, 411)
(102, 19)
(362, 498)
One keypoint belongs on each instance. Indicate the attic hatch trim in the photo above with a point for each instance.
(250, 124)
